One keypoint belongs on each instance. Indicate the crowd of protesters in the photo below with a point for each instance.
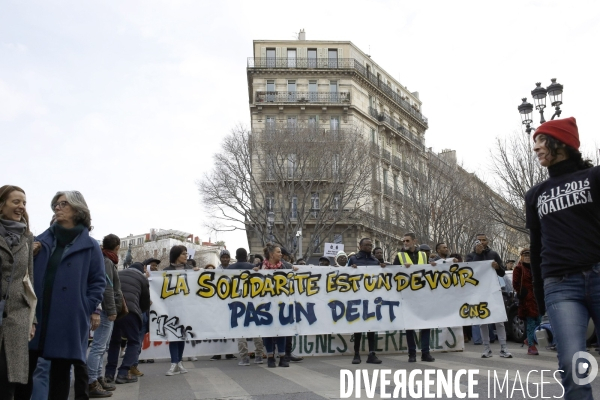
(58, 286)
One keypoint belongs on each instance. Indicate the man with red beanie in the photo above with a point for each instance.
(563, 217)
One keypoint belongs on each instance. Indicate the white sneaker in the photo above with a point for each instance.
(487, 353)
(244, 362)
(174, 370)
(505, 354)
(192, 358)
(181, 369)
(258, 360)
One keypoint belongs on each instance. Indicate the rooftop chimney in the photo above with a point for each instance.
(302, 35)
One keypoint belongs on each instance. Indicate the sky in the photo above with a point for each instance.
(126, 101)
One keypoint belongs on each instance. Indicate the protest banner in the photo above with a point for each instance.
(189, 305)
(389, 342)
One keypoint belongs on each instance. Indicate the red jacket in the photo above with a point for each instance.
(522, 278)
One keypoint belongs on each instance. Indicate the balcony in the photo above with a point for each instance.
(376, 185)
(337, 63)
(303, 97)
(375, 149)
(386, 155)
(398, 196)
(309, 134)
(388, 191)
(396, 162)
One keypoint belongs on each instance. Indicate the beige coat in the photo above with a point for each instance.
(14, 332)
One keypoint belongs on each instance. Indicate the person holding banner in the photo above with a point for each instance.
(364, 257)
(341, 259)
(272, 261)
(408, 256)
(241, 257)
(178, 261)
(563, 216)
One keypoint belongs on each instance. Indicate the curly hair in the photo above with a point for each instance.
(269, 249)
(572, 153)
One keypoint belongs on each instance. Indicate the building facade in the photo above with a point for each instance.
(334, 85)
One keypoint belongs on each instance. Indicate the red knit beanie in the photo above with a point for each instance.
(563, 130)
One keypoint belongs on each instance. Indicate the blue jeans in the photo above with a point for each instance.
(98, 347)
(271, 342)
(128, 327)
(41, 380)
(142, 335)
(176, 350)
(570, 301)
(532, 323)
(412, 345)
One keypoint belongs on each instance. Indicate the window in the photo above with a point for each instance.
(316, 241)
(312, 91)
(337, 238)
(312, 121)
(291, 58)
(270, 202)
(385, 177)
(271, 60)
(312, 58)
(271, 90)
(294, 207)
(291, 165)
(373, 136)
(388, 217)
(334, 124)
(335, 164)
(395, 183)
(376, 208)
(337, 200)
(333, 58)
(291, 90)
(315, 205)
(333, 91)
(124, 244)
(372, 103)
(292, 122)
(270, 167)
(132, 242)
(139, 241)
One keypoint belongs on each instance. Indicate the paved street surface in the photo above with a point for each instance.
(319, 377)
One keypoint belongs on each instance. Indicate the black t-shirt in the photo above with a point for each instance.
(563, 215)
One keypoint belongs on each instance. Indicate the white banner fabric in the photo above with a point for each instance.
(446, 339)
(226, 304)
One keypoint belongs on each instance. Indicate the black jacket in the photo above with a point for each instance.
(241, 265)
(487, 254)
(171, 267)
(113, 296)
(362, 258)
(136, 290)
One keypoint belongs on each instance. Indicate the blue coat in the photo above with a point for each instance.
(78, 289)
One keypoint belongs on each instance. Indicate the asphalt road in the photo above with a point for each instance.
(319, 377)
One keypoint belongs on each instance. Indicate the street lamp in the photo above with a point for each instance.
(554, 91)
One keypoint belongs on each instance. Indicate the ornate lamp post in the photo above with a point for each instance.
(270, 223)
(554, 91)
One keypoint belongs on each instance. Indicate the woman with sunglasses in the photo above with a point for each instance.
(69, 281)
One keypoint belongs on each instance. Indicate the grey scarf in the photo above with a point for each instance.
(12, 231)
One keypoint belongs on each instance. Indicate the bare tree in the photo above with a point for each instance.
(515, 169)
(279, 180)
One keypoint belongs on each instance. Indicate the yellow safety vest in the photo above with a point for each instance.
(405, 259)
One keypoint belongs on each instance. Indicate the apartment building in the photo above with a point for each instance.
(332, 86)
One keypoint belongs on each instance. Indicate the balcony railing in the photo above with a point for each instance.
(375, 149)
(302, 97)
(376, 185)
(396, 162)
(307, 133)
(398, 196)
(386, 155)
(388, 191)
(337, 63)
